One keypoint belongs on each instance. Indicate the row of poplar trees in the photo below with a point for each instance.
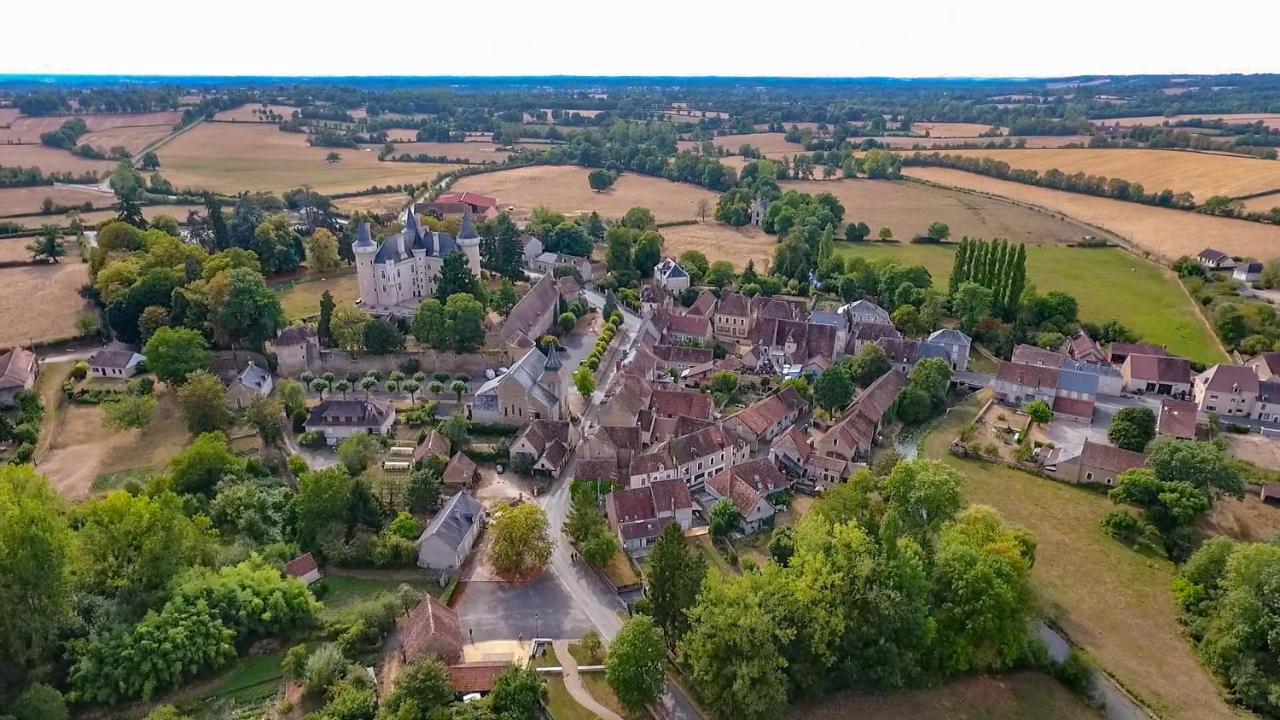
(999, 265)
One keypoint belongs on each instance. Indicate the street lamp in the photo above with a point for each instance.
(537, 627)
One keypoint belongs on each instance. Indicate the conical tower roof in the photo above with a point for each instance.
(468, 231)
(553, 360)
(364, 238)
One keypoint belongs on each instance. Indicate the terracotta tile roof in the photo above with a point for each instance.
(745, 485)
(297, 335)
(763, 414)
(1111, 458)
(880, 395)
(301, 565)
(432, 628)
(469, 198)
(1230, 378)
(691, 325)
(435, 445)
(795, 439)
(1159, 368)
(661, 428)
(704, 305)
(1269, 360)
(644, 529)
(1032, 376)
(783, 309)
(649, 463)
(476, 677)
(623, 437)
(733, 303)
(530, 308)
(604, 469)
(1116, 351)
(542, 433)
(461, 471)
(707, 441)
(674, 403)
(568, 286)
(1177, 418)
(683, 355)
(1073, 407)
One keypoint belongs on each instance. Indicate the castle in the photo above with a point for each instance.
(402, 272)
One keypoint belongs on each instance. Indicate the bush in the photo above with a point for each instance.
(1075, 671)
(80, 370)
(324, 668)
(313, 440)
(40, 702)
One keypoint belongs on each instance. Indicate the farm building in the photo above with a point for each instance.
(446, 542)
(431, 629)
(1159, 374)
(1247, 272)
(460, 472)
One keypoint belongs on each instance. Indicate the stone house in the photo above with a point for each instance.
(957, 344)
(749, 486)
(340, 419)
(762, 421)
(533, 388)
(114, 364)
(447, 541)
(639, 514)
(1094, 464)
(1157, 374)
(297, 351)
(1225, 390)
(18, 370)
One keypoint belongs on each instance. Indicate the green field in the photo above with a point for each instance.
(1112, 601)
(301, 298)
(1109, 284)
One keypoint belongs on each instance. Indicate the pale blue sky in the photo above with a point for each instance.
(653, 37)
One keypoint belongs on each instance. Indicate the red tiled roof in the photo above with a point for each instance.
(1159, 368)
(1111, 458)
(707, 441)
(691, 325)
(683, 355)
(16, 368)
(1034, 376)
(767, 412)
(301, 565)
(469, 198)
(476, 677)
(435, 445)
(704, 305)
(675, 403)
(1073, 407)
(432, 628)
(460, 471)
(747, 484)
(1177, 418)
(605, 469)
(1229, 378)
(1118, 348)
(1032, 355)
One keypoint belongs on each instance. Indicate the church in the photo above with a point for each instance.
(403, 271)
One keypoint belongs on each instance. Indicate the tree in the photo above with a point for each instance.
(869, 364)
(972, 303)
(1132, 428)
(322, 251)
(521, 543)
(173, 353)
(264, 416)
(566, 322)
(833, 390)
(278, 246)
(932, 376)
(348, 326)
(250, 313)
(518, 693)
(152, 318)
(938, 231)
(130, 412)
(430, 326)
(204, 463)
(634, 668)
(325, 666)
(47, 246)
(600, 548)
(381, 337)
(1040, 412)
(907, 319)
(672, 581)
(618, 258)
(424, 685)
(456, 428)
(504, 298)
(35, 567)
(465, 321)
(885, 234)
(324, 326)
(333, 157)
(1200, 464)
(648, 252)
(639, 218)
(720, 274)
(724, 518)
(204, 403)
(456, 277)
(40, 702)
(357, 452)
(424, 485)
(601, 180)
(321, 502)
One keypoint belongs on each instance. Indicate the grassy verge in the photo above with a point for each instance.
(620, 570)
(560, 704)
(598, 686)
(1111, 600)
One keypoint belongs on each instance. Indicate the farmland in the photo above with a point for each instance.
(14, 201)
(765, 142)
(1109, 599)
(377, 203)
(1162, 232)
(53, 289)
(565, 189)
(227, 157)
(908, 208)
(1262, 203)
(28, 129)
(1268, 119)
(474, 152)
(50, 160)
(251, 112)
(1016, 696)
(948, 130)
(1202, 174)
(150, 212)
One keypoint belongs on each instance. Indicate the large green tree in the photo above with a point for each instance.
(521, 541)
(456, 277)
(1132, 428)
(175, 352)
(634, 668)
(204, 463)
(204, 403)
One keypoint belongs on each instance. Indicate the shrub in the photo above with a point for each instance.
(325, 666)
(80, 370)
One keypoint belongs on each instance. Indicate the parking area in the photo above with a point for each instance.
(495, 610)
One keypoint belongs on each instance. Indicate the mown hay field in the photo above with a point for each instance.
(39, 303)
(564, 189)
(378, 203)
(177, 212)
(765, 142)
(251, 112)
(1111, 600)
(27, 200)
(1164, 233)
(1016, 696)
(1268, 119)
(1262, 203)
(228, 157)
(1202, 174)
(476, 152)
(50, 160)
(948, 129)
(133, 139)
(301, 298)
(27, 129)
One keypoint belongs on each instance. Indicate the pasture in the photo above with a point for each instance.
(765, 142)
(301, 298)
(1202, 174)
(1015, 696)
(1163, 232)
(178, 212)
(228, 157)
(1108, 284)
(27, 129)
(564, 189)
(252, 112)
(39, 303)
(470, 152)
(50, 160)
(1262, 203)
(1109, 599)
(26, 200)
(948, 130)
(134, 139)
(378, 203)
(908, 209)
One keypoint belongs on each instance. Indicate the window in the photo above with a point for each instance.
(1088, 476)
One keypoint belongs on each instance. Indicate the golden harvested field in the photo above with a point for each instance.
(908, 209)
(1202, 174)
(765, 142)
(949, 130)
(1262, 203)
(28, 199)
(132, 138)
(721, 242)
(245, 113)
(1268, 119)
(565, 189)
(28, 129)
(465, 151)
(41, 302)
(1163, 232)
(380, 203)
(15, 250)
(50, 160)
(178, 212)
(9, 114)
(1016, 696)
(227, 157)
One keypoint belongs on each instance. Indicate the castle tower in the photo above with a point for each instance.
(552, 378)
(469, 240)
(365, 249)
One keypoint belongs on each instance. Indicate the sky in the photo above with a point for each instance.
(820, 38)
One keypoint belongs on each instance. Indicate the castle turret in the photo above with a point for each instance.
(365, 249)
(469, 241)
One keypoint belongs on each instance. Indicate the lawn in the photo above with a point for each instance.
(598, 686)
(1108, 283)
(342, 593)
(620, 571)
(1112, 601)
(301, 298)
(715, 559)
(560, 703)
(1016, 696)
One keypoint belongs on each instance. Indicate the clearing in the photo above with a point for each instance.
(26, 200)
(253, 112)
(1163, 232)
(1262, 203)
(231, 157)
(564, 188)
(1202, 174)
(721, 242)
(908, 208)
(301, 298)
(376, 203)
(1016, 696)
(1108, 283)
(83, 450)
(949, 129)
(1110, 600)
(52, 289)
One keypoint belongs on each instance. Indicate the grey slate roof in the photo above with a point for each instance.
(454, 520)
(933, 350)
(1074, 381)
(468, 231)
(254, 377)
(363, 237)
(950, 336)
(528, 373)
